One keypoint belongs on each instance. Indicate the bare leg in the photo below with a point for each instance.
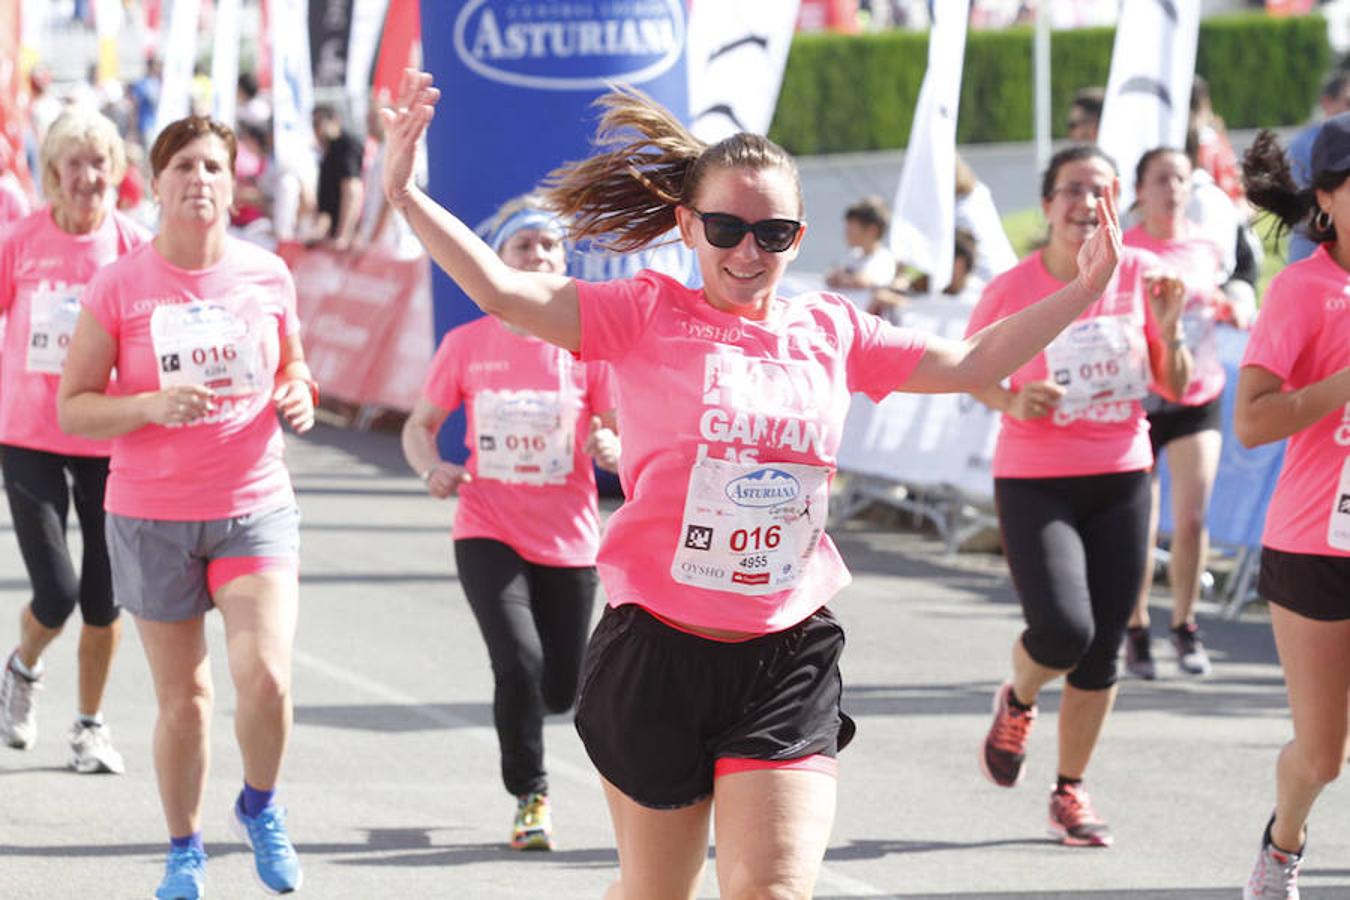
(1139, 619)
(1195, 462)
(260, 613)
(661, 851)
(97, 646)
(176, 652)
(1315, 657)
(1081, 717)
(34, 637)
(1030, 676)
(772, 829)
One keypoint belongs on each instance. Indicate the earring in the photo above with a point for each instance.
(1322, 221)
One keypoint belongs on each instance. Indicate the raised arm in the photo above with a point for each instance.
(541, 303)
(996, 351)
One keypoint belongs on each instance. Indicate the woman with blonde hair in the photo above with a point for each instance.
(46, 259)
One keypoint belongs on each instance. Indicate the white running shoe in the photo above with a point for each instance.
(92, 752)
(18, 724)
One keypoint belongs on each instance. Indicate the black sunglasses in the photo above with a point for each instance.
(726, 231)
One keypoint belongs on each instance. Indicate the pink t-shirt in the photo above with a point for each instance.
(1199, 263)
(528, 405)
(1101, 359)
(1303, 335)
(730, 428)
(43, 271)
(221, 326)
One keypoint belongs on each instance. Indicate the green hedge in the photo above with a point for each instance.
(857, 92)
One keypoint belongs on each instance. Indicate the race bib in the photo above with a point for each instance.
(524, 437)
(750, 528)
(1338, 529)
(1098, 360)
(53, 312)
(208, 345)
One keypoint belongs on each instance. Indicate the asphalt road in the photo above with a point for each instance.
(392, 781)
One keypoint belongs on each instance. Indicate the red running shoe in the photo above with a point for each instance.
(1073, 821)
(1005, 746)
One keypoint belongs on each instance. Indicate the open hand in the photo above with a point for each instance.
(404, 124)
(1100, 254)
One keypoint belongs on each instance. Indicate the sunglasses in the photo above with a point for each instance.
(726, 231)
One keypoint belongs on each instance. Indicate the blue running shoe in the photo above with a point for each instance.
(184, 875)
(274, 859)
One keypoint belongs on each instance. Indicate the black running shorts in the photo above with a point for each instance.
(1174, 421)
(658, 707)
(1310, 584)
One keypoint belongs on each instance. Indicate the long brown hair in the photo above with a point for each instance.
(648, 163)
(1270, 185)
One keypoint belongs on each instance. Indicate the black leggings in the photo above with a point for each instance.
(1076, 550)
(39, 504)
(535, 620)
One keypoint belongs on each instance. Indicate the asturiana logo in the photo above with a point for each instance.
(763, 488)
(560, 46)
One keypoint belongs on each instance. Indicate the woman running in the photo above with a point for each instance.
(711, 686)
(527, 526)
(1295, 384)
(1071, 479)
(1189, 429)
(202, 331)
(46, 258)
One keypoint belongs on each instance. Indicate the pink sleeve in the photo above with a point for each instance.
(7, 271)
(442, 385)
(614, 314)
(291, 318)
(100, 298)
(1278, 335)
(600, 387)
(882, 356)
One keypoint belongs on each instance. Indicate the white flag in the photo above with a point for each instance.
(180, 55)
(923, 224)
(736, 53)
(225, 61)
(292, 83)
(1148, 96)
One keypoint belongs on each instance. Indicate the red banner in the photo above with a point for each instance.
(398, 47)
(366, 325)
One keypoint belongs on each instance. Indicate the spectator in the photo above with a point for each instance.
(1085, 114)
(145, 97)
(381, 226)
(340, 188)
(870, 263)
(1214, 152)
(251, 107)
(1335, 99)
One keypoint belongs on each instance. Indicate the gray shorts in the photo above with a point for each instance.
(167, 571)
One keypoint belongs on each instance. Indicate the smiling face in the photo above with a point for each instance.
(1071, 208)
(535, 250)
(1165, 189)
(196, 188)
(84, 172)
(742, 280)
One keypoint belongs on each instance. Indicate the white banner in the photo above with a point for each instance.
(180, 55)
(1148, 95)
(923, 224)
(225, 61)
(924, 440)
(292, 84)
(362, 45)
(736, 53)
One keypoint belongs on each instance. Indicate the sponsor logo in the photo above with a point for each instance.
(531, 412)
(553, 46)
(170, 362)
(763, 488)
(1062, 377)
(749, 577)
(702, 570)
(487, 442)
(1343, 504)
(698, 537)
